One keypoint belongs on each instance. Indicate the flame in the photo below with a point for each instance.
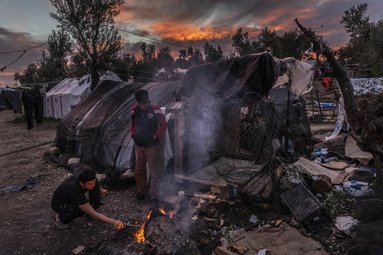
(162, 211)
(140, 233)
(170, 213)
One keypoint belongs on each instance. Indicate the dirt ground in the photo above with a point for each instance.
(26, 217)
(26, 225)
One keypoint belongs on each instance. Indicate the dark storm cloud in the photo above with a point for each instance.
(10, 41)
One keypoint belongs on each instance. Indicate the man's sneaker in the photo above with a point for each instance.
(59, 224)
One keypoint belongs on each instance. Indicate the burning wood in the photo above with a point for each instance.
(170, 213)
(140, 233)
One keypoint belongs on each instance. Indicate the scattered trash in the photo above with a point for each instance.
(321, 183)
(263, 252)
(278, 222)
(337, 177)
(28, 184)
(281, 240)
(368, 170)
(78, 250)
(73, 161)
(238, 249)
(253, 219)
(292, 175)
(345, 223)
(357, 188)
(237, 234)
(353, 151)
(331, 159)
(320, 152)
(334, 165)
(338, 187)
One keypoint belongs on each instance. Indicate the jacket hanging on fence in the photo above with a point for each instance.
(33, 104)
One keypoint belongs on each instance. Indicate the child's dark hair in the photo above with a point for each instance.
(87, 175)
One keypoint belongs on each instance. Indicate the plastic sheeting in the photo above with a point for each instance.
(98, 129)
(301, 75)
(363, 86)
(213, 91)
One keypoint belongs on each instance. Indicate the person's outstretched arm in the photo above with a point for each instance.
(88, 209)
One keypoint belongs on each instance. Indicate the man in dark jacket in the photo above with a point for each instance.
(148, 126)
(77, 195)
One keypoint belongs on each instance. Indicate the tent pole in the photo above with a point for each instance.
(287, 118)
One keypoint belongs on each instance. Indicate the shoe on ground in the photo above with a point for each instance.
(59, 224)
(141, 196)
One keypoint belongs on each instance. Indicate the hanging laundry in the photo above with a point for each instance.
(33, 106)
(10, 99)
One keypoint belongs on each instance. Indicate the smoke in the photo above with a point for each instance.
(203, 123)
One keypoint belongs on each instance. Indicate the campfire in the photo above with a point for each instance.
(140, 233)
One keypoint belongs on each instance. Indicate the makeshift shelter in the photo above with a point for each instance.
(98, 129)
(61, 99)
(222, 111)
(10, 99)
(228, 112)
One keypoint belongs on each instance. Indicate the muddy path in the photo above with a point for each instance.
(25, 216)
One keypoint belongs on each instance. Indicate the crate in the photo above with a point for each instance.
(305, 207)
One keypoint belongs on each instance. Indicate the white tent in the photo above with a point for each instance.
(70, 92)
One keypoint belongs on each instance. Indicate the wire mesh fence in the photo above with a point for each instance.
(252, 127)
(247, 128)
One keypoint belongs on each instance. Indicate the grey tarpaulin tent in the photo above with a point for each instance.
(98, 129)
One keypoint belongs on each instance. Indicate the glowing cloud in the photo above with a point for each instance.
(182, 32)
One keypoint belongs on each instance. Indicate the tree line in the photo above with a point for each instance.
(88, 42)
(364, 51)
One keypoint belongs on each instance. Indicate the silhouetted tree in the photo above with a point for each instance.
(28, 76)
(90, 23)
(195, 56)
(164, 58)
(241, 43)
(53, 64)
(181, 61)
(212, 54)
(293, 44)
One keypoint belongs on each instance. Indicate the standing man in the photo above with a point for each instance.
(77, 195)
(147, 129)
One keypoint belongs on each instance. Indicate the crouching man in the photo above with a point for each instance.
(77, 195)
